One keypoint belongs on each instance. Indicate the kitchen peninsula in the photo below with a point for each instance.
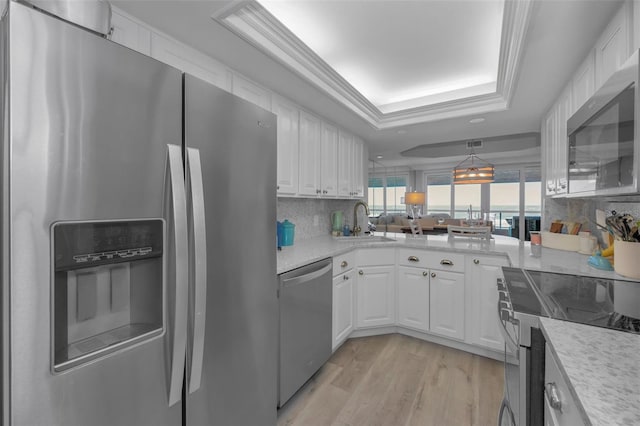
(593, 396)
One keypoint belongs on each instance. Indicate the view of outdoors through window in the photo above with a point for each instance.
(389, 190)
(503, 203)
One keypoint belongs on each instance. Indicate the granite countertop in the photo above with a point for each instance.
(313, 249)
(602, 368)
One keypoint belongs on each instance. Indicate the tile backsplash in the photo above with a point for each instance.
(302, 212)
(584, 209)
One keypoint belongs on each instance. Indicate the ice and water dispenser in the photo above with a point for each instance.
(108, 287)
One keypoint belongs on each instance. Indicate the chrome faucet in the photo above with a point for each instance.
(356, 227)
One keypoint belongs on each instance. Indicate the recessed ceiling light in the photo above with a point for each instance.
(379, 157)
(476, 120)
(402, 132)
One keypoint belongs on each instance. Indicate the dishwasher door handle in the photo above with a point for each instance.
(290, 282)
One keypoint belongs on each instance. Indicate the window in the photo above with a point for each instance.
(499, 201)
(468, 200)
(386, 194)
(438, 194)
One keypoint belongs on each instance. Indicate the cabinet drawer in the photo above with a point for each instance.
(375, 256)
(444, 261)
(413, 257)
(343, 262)
(556, 388)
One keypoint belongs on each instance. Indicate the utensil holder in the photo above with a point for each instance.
(626, 257)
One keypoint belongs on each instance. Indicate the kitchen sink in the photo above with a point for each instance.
(366, 238)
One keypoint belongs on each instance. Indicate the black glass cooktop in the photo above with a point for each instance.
(588, 300)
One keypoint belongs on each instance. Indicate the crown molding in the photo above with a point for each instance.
(249, 20)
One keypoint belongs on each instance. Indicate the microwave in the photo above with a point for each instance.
(604, 151)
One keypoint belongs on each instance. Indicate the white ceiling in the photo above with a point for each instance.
(558, 38)
(403, 50)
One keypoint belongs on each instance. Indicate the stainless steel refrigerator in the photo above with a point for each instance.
(138, 228)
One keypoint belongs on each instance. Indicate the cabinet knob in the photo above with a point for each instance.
(324, 191)
(278, 187)
(413, 259)
(425, 273)
(344, 264)
(476, 261)
(433, 275)
(317, 191)
(360, 272)
(446, 262)
(345, 277)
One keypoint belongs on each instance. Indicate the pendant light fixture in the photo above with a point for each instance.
(473, 170)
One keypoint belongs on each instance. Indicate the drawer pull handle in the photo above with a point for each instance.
(446, 262)
(425, 273)
(345, 277)
(476, 261)
(360, 272)
(413, 259)
(433, 275)
(344, 264)
(554, 396)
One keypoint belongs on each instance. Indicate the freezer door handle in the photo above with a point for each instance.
(175, 212)
(198, 267)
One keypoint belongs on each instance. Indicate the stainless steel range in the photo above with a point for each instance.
(526, 295)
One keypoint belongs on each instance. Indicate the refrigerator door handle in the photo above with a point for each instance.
(175, 208)
(198, 267)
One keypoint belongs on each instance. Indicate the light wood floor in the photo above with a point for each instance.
(394, 380)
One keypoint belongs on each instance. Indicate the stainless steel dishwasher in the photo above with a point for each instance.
(305, 325)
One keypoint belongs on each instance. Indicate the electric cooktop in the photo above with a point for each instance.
(594, 301)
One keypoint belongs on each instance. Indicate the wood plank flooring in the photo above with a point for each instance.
(398, 380)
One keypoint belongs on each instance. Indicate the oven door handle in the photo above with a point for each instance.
(513, 345)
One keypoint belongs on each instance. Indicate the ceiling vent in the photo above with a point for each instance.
(474, 144)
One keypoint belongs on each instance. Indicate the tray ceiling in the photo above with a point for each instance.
(409, 62)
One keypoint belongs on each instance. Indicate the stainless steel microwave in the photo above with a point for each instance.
(603, 139)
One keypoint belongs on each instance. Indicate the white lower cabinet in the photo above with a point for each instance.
(413, 297)
(482, 299)
(375, 296)
(446, 304)
(342, 323)
(560, 409)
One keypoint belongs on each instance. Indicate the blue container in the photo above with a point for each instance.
(288, 231)
(279, 233)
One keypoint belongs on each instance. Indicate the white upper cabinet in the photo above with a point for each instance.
(190, 61)
(287, 134)
(345, 164)
(329, 160)
(583, 83)
(310, 155)
(613, 47)
(357, 176)
(250, 91)
(130, 34)
(555, 146)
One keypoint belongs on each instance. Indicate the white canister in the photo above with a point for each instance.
(626, 257)
(587, 243)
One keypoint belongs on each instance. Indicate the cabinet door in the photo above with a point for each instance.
(130, 34)
(309, 155)
(287, 173)
(190, 61)
(345, 153)
(375, 296)
(357, 176)
(561, 146)
(583, 83)
(250, 91)
(446, 304)
(482, 317)
(548, 146)
(612, 48)
(329, 160)
(342, 307)
(413, 297)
